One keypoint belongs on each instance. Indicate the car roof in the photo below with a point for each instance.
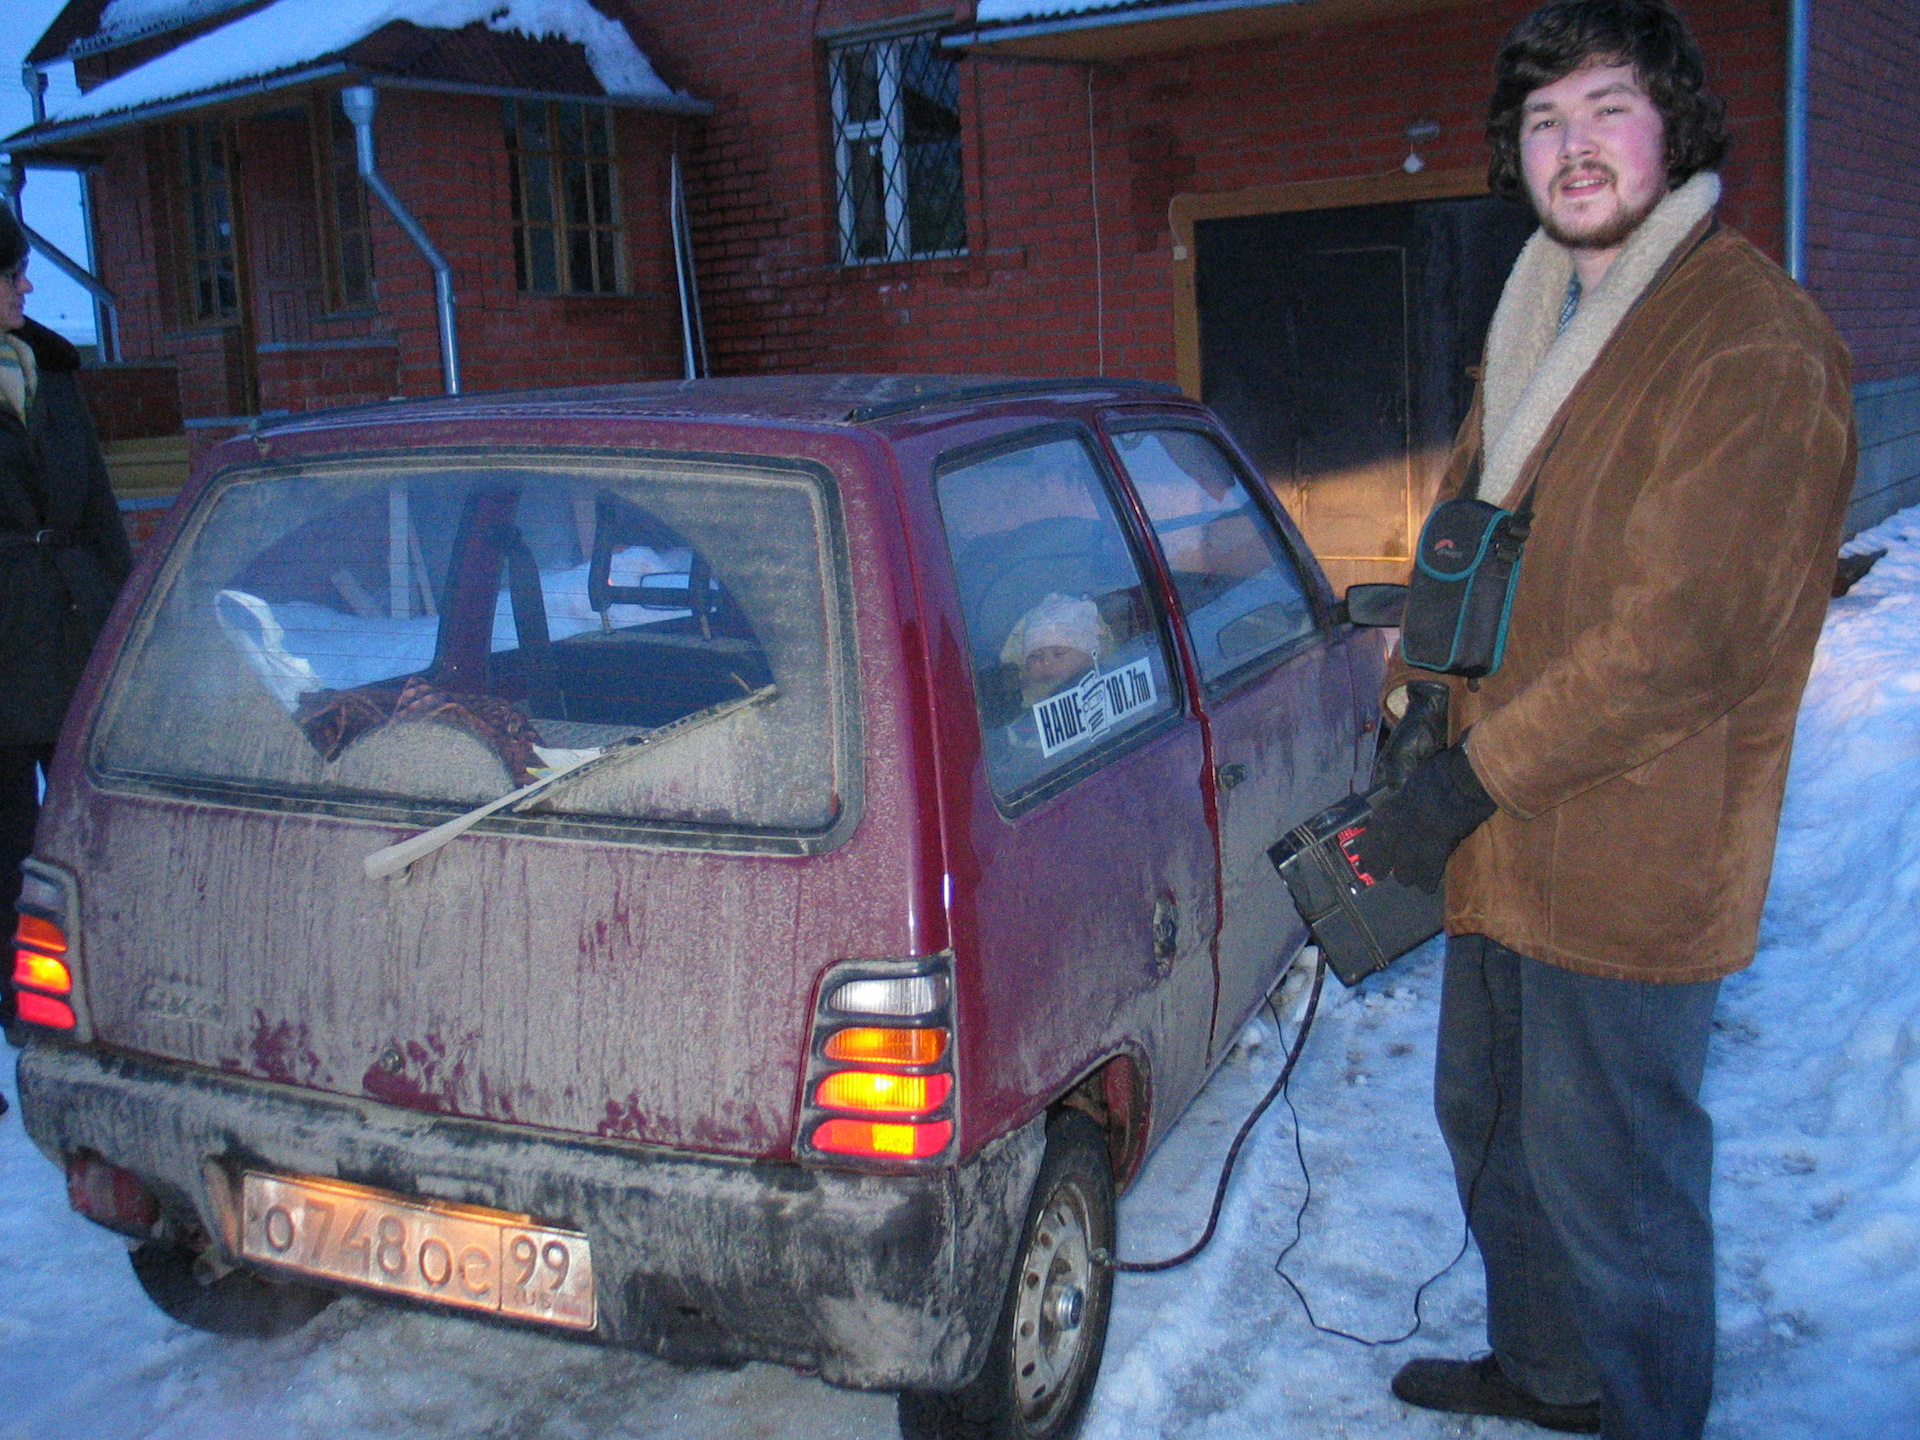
(806, 399)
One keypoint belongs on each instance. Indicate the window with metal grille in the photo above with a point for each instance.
(896, 114)
(343, 210)
(209, 283)
(567, 237)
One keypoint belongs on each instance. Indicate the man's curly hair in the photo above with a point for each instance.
(1563, 36)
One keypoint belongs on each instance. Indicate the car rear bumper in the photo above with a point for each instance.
(879, 1282)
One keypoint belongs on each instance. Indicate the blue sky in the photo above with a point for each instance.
(51, 198)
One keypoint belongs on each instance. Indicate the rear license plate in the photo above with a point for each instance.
(460, 1255)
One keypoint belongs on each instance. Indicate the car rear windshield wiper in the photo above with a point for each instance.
(397, 857)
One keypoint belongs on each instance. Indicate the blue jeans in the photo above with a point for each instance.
(1570, 1105)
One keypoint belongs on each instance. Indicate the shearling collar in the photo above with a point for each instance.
(1532, 366)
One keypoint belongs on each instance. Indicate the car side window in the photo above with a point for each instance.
(1239, 588)
(1067, 655)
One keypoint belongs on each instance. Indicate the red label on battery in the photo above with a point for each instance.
(1347, 839)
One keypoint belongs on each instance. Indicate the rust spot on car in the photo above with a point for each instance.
(425, 1074)
(282, 1051)
(624, 1120)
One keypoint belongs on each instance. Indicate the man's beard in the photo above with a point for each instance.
(1615, 232)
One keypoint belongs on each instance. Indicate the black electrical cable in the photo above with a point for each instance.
(1274, 1092)
(1150, 1267)
(1466, 1227)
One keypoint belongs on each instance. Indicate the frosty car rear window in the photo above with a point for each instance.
(443, 630)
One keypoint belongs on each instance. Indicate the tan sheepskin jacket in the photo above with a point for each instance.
(1691, 490)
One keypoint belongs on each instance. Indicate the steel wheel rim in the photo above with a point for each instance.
(1049, 1327)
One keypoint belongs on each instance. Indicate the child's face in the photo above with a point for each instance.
(1052, 666)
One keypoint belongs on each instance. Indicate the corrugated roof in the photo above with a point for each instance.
(86, 27)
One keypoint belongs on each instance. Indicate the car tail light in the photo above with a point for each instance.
(43, 949)
(887, 1045)
(41, 972)
(42, 1010)
(868, 1137)
(110, 1196)
(876, 1090)
(42, 934)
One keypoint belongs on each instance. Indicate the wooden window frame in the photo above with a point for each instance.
(338, 240)
(196, 262)
(558, 224)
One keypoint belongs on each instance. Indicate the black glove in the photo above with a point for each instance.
(1420, 734)
(1415, 828)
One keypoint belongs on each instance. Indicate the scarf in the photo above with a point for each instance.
(1532, 364)
(19, 374)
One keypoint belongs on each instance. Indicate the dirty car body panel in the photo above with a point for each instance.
(607, 1007)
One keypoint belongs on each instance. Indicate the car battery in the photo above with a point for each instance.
(1362, 923)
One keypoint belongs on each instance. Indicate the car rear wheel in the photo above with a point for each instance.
(1046, 1349)
(180, 1279)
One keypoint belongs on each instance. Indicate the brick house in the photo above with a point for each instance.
(1278, 204)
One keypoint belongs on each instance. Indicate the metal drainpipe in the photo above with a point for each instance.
(359, 102)
(13, 176)
(1799, 26)
(693, 335)
(36, 83)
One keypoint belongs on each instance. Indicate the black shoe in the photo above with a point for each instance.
(1480, 1387)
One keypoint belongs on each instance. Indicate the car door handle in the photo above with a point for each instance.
(1229, 775)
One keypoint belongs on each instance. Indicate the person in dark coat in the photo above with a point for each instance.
(63, 556)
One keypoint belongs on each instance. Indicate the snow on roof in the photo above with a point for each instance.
(1007, 12)
(125, 20)
(1001, 12)
(290, 33)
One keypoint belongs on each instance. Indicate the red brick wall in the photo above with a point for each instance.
(1863, 204)
(1311, 106)
(132, 401)
(445, 157)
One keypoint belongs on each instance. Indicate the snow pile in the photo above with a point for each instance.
(291, 33)
(1815, 1078)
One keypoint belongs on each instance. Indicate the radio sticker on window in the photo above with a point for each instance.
(1093, 706)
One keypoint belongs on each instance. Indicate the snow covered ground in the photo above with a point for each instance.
(1814, 1084)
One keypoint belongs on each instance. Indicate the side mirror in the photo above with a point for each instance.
(1375, 606)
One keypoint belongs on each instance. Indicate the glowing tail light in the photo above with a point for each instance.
(45, 1010)
(42, 934)
(41, 972)
(43, 962)
(872, 1044)
(881, 1094)
(869, 1137)
(880, 1074)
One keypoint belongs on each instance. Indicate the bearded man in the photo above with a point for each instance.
(1605, 812)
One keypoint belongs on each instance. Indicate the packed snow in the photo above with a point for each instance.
(291, 33)
(1814, 1085)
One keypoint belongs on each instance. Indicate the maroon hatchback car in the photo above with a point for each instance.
(743, 869)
